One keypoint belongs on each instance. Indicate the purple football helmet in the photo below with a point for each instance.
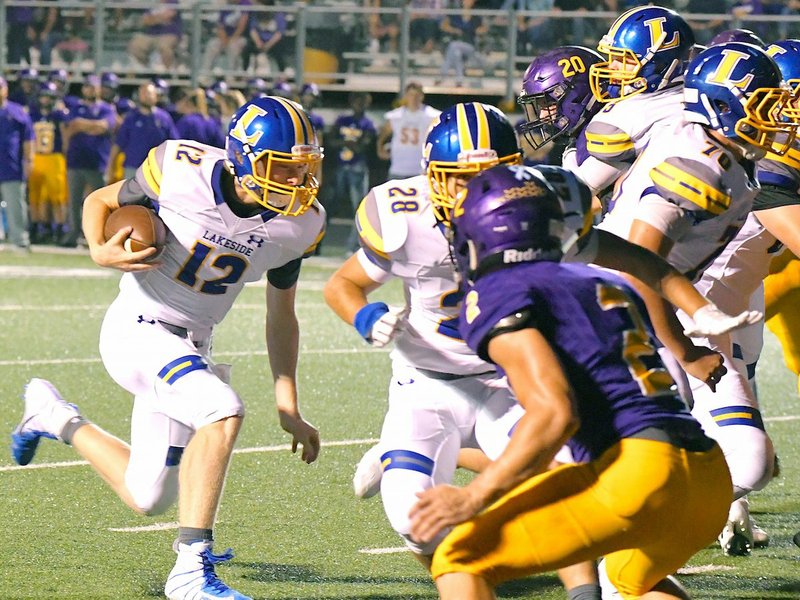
(109, 80)
(283, 89)
(737, 35)
(556, 95)
(509, 214)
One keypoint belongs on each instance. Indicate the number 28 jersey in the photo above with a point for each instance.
(210, 252)
(400, 237)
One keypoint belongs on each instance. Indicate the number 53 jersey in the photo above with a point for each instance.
(210, 252)
(688, 187)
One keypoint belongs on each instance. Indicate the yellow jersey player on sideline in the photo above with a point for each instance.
(232, 216)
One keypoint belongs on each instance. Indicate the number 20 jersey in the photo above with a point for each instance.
(400, 237)
(210, 252)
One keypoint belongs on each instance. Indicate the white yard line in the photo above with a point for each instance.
(153, 527)
(397, 550)
(700, 569)
(253, 450)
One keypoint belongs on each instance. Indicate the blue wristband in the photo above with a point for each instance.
(368, 316)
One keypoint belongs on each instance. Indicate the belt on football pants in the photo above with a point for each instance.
(691, 441)
(450, 376)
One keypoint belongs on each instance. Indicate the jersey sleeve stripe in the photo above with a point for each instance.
(312, 248)
(616, 143)
(691, 188)
(152, 173)
(790, 159)
(368, 232)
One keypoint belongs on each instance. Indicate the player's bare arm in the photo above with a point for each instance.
(538, 379)
(347, 290)
(784, 223)
(700, 362)
(614, 252)
(283, 340)
(96, 209)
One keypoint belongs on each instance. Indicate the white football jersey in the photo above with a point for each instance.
(613, 138)
(409, 129)
(210, 252)
(691, 189)
(400, 237)
(740, 268)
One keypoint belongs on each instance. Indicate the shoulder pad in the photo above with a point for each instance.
(691, 184)
(379, 223)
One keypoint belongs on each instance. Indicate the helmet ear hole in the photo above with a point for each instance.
(722, 107)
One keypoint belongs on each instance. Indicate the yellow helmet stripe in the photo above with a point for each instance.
(464, 137)
(299, 138)
(483, 126)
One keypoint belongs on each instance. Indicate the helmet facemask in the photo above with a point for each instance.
(469, 164)
(544, 119)
(763, 120)
(283, 198)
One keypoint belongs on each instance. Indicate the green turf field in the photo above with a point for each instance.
(296, 529)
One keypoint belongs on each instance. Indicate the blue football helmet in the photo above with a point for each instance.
(737, 35)
(509, 214)
(647, 48)
(464, 140)
(737, 89)
(556, 95)
(272, 133)
(786, 54)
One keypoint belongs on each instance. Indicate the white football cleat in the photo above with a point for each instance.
(367, 479)
(193, 576)
(736, 538)
(46, 414)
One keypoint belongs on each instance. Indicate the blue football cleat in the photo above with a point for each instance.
(46, 414)
(193, 576)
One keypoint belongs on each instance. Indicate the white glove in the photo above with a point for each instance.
(385, 328)
(710, 320)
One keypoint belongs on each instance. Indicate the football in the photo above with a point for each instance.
(148, 229)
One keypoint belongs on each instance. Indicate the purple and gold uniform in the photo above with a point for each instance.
(649, 490)
(48, 179)
(88, 151)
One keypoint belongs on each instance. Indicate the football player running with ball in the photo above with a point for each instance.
(232, 215)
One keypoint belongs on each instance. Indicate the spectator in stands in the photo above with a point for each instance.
(425, 25)
(463, 29)
(20, 32)
(535, 34)
(352, 139)
(72, 46)
(162, 31)
(576, 30)
(87, 137)
(49, 31)
(705, 30)
(190, 103)
(47, 185)
(143, 129)
(16, 145)
(266, 31)
(384, 28)
(406, 126)
(231, 36)
(216, 123)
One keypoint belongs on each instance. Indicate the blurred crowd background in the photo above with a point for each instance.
(103, 81)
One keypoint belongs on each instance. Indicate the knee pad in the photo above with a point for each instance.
(750, 457)
(399, 488)
(153, 496)
(199, 399)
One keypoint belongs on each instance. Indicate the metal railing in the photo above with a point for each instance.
(325, 43)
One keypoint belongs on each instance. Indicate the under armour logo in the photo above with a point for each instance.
(143, 320)
(255, 240)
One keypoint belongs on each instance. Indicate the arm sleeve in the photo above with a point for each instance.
(132, 193)
(692, 185)
(286, 276)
